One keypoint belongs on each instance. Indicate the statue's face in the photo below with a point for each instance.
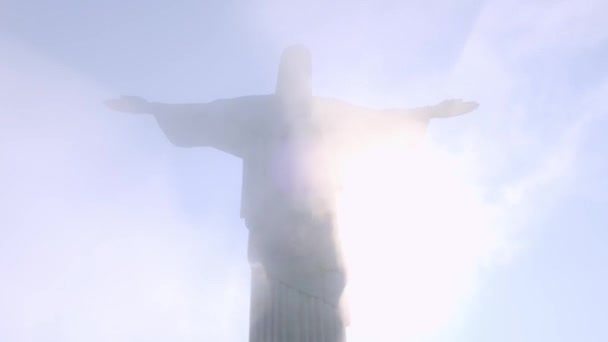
(294, 81)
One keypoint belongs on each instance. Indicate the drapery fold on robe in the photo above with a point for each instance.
(281, 313)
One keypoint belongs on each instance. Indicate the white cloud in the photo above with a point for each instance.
(94, 246)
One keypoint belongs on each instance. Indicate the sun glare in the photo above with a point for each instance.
(415, 233)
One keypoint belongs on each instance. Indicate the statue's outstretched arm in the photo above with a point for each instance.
(444, 109)
(369, 124)
(222, 124)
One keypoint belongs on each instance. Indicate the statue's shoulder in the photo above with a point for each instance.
(331, 107)
(248, 107)
(247, 100)
(331, 103)
(323, 100)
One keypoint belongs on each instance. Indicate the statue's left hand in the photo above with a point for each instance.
(449, 108)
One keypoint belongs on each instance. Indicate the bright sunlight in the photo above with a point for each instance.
(415, 233)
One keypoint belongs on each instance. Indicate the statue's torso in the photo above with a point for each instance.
(288, 169)
(288, 203)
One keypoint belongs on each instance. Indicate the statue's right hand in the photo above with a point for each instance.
(128, 104)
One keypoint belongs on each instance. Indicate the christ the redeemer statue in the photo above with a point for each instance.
(287, 141)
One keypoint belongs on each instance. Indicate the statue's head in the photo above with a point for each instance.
(294, 82)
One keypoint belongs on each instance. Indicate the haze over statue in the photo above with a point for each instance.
(288, 141)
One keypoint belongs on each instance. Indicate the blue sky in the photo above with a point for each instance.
(110, 233)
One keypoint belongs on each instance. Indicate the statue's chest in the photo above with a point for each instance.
(298, 162)
(288, 173)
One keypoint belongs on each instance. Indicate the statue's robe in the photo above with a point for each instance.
(287, 199)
